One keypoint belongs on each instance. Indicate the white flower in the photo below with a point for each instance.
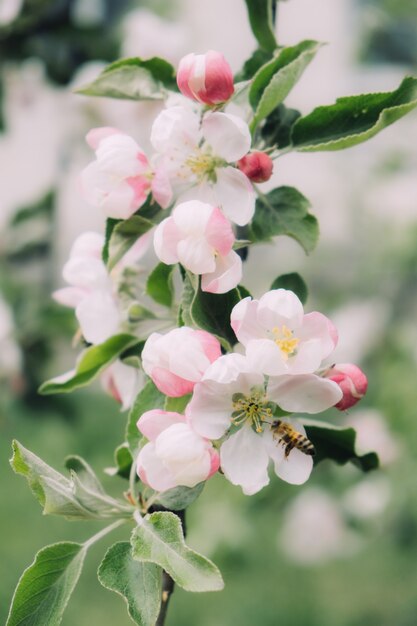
(278, 337)
(233, 395)
(200, 156)
(123, 382)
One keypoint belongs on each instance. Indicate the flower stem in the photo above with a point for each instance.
(103, 533)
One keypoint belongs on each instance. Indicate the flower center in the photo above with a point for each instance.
(285, 340)
(203, 164)
(253, 408)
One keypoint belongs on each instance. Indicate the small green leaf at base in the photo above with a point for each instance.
(149, 398)
(159, 539)
(91, 363)
(133, 79)
(293, 282)
(285, 211)
(338, 444)
(354, 119)
(180, 498)
(45, 587)
(138, 583)
(159, 285)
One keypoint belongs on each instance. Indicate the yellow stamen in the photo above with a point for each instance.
(285, 340)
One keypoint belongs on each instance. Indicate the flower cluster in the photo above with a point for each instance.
(242, 405)
(239, 407)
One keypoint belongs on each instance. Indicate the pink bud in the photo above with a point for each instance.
(206, 78)
(257, 166)
(351, 380)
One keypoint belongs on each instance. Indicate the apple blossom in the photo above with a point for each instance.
(91, 291)
(257, 166)
(198, 236)
(121, 178)
(175, 455)
(198, 157)
(278, 337)
(237, 400)
(351, 380)
(206, 78)
(177, 360)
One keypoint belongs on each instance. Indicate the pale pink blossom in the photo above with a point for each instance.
(175, 455)
(233, 396)
(206, 78)
(121, 178)
(257, 166)
(122, 382)
(198, 156)
(351, 380)
(198, 236)
(177, 360)
(278, 336)
(90, 290)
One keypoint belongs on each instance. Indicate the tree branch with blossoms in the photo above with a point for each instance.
(213, 378)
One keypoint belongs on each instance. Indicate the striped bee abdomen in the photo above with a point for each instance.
(291, 438)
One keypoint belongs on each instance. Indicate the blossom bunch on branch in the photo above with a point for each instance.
(216, 381)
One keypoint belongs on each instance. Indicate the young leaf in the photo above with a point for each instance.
(260, 18)
(159, 539)
(338, 444)
(277, 127)
(133, 79)
(138, 583)
(180, 498)
(123, 235)
(294, 283)
(123, 460)
(160, 286)
(93, 360)
(274, 81)
(284, 211)
(177, 405)
(45, 587)
(149, 398)
(84, 472)
(354, 119)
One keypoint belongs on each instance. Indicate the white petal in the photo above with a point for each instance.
(226, 276)
(304, 393)
(85, 272)
(118, 203)
(228, 135)
(192, 217)
(195, 254)
(69, 296)
(234, 194)
(98, 316)
(152, 470)
(278, 307)
(176, 128)
(244, 460)
(244, 321)
(88, 244)
(265, 356)
(166, 240)
(294, 469)
(128, 381)
(210, 409)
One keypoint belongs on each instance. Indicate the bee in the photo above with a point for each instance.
(290, 438)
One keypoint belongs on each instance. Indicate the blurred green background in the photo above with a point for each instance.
(340, 551)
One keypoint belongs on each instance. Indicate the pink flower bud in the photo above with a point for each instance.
(257, 166)
(351, 380)
(206, 78)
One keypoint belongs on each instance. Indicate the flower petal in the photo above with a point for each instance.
(297, 467)
(278, 307)
(152, 471)
(244, 460)
(305, 393)
(210, 409)
(98, 316)
(228, 135)
(152, 423)
(234, 194)
(226, 275)
(166, 240)
(266, 357)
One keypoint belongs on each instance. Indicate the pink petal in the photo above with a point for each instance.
(166, 238)
(244, 321)
(152, 423)
(170, 384)
(96, 135)
(210, 344)
(152, 471)
(161, 188)
(69, 296)
(226, 276)
(319, 327)
(219, 232)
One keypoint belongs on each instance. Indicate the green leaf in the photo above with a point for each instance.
(354, 119)
(252, 65)
(84, 472)
(260, 18)
(274, 81)
(123, 460)
(160, 286)
(284, 211)
(159, 539)
(149, 398)
(92, 362)
(122, 235)
(276, 130)
(45, 587)
(180, 498)
(138, 583)
(75, 498)
(294, 283)
(133, 79)
(338, 444)
(177, 405)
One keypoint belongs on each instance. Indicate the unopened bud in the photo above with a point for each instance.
(257, 166)
(206, 78)
(351, 380)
